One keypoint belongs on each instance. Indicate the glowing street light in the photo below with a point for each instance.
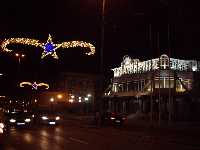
(19, 56)
(52, 100)
(59, 96)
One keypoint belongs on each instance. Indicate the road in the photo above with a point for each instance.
(73, 135)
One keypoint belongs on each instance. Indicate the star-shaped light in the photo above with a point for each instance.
(34, 85)
(50, 48)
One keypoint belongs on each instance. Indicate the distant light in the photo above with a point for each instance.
(57, 118)
(59, 96)
(23, 55)
(35, 100)
(86, 98)
(194, 68)
(1, 74)
(17, 54)
(79, 98)
(52, 99)
(72, 96)
(89, 95)
(79, 101)
(71, 100)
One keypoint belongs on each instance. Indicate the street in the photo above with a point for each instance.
(72, 135)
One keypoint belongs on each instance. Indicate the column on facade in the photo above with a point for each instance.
(127, 89)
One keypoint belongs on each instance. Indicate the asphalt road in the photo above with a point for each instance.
(73, 135)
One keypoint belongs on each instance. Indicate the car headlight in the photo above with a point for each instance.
(1, 125)
(1, 130)
(44, 118)
(12, 120)
(27, 120)
(57, 118)
(112, 118)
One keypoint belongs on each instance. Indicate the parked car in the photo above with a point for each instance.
(3, 129)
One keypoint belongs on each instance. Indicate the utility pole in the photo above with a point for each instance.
(170, 103)
(152, 76)
(100, 102)
(159, 74)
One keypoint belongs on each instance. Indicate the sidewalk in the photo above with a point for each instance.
(181, 127)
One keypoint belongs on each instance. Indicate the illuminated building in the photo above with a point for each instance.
(163, 80)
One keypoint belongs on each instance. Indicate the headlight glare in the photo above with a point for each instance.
(27, 120)
(12, 120)
(57, 118)
(1, 125)
(44, 118)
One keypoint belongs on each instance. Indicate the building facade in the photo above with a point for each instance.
(162, 85)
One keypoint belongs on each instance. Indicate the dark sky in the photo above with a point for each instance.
(126, 31)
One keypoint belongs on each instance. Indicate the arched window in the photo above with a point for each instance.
(164, 61)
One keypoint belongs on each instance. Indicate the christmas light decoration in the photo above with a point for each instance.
(34, 85)
(134, 66)
(49, 48)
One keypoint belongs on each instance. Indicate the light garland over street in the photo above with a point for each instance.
(49, 48)
(34, 85)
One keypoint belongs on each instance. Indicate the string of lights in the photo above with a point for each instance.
(34, 85)
(49, 48)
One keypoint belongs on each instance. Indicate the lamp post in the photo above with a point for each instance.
(98, 104)
(52, 101)
(19, 56)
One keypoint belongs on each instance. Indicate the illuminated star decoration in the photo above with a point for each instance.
(34, 85)
(49, 48)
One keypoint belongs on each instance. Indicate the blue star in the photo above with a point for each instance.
(49, 47)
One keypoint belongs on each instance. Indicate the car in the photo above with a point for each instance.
(48, 117)
(113, 118)
(19, 118)
(3, 129)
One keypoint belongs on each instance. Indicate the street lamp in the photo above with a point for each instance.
(52, 100)
(19, 56)
(59, 96)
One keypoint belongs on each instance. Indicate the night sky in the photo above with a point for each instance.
(126, 32)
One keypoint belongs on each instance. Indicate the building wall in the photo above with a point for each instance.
(165, 80)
